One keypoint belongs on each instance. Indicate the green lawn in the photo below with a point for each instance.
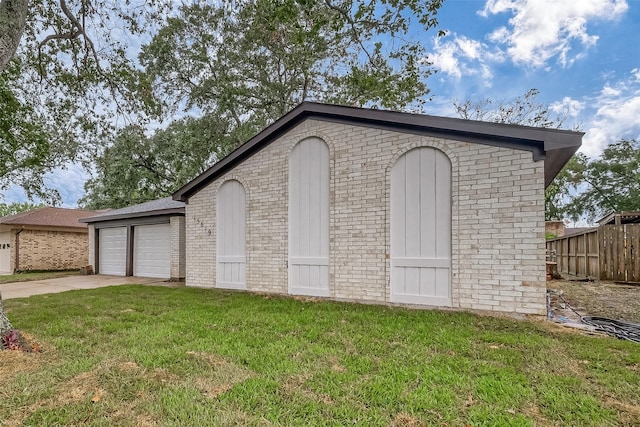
(134, 355)
(37, 275)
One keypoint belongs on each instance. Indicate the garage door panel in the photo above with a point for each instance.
(152, 251)
(113, 251)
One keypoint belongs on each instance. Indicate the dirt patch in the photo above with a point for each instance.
(533, 411)
(629, 414)
(604, 299)
(222, 377)
(89, 386)
(13, 362)
(296, 384)
(405, 420)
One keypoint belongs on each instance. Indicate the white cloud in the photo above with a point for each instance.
(444, 59)
(569, 106)
(542, 29)
(461, 56)
(617, 110)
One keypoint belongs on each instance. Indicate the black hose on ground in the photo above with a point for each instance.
(619, 329)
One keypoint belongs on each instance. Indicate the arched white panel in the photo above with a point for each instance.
(421, 228)
(231, 236)
(309, 218)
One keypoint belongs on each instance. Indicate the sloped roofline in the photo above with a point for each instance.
(26, 218)
(158, 207)
(553, 145)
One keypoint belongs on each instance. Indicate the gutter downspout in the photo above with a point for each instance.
(16, 268)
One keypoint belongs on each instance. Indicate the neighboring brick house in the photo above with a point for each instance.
(379, 206)
(140, 240)
(43, 239)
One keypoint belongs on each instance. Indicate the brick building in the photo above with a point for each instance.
(379, 206)
(43, 239)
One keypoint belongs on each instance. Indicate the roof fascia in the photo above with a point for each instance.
(173, 212)
(536, 140)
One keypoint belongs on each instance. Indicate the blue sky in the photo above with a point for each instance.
(582, 55)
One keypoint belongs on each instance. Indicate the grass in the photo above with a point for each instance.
(28, 276)
(134, 355)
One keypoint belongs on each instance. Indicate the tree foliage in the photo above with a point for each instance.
(243, 67)
(252, 63)
(7, 209)
(137, 168)
(25, 149)
(605, 184)
(558, 193)
(65, 80)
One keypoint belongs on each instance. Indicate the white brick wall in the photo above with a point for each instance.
(497, 218)
(92, 246)
(177, 247)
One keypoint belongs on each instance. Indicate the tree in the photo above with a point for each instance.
(526, 110)
(5, 324)
(523, 110)
(65, 79)
(253, 63)
(137, 168)
(248, 65)
(608, 183)
(557, 193)
(17, 207)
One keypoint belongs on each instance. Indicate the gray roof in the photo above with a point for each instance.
(554, 146)
(164, 206)
(626, 217)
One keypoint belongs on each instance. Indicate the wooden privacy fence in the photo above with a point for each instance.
(609, 252)
(619, 245)
(577, 254)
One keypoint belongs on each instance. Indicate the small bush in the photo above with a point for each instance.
(13, 340)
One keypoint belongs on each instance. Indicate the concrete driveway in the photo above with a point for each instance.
(62, 284)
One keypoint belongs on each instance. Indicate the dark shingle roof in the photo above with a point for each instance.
(49, 217)
(554, 146)
(162, 206)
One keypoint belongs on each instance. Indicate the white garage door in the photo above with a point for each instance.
(152, 251)
(113, 251)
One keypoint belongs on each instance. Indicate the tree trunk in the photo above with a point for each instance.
(5, 325)
(13, 17)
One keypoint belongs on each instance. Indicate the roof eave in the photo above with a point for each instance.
(160, 212)
(537, 140)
